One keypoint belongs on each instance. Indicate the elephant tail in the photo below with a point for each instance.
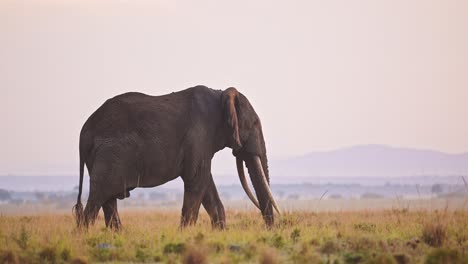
(78, 208)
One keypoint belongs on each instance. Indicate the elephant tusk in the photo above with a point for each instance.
(265, 183)
(240, 171)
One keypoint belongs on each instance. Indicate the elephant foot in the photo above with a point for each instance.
(218, 225)
(115, 225)
(111, 215)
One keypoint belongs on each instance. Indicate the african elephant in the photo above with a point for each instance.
(136, 140)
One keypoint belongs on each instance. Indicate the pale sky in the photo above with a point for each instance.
(321, 74)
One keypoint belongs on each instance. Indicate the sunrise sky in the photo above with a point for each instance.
(321, 74)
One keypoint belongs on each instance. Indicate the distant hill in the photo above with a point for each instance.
(372, 161)
(365, 164)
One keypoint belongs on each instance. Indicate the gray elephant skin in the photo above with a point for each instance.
(137, 140)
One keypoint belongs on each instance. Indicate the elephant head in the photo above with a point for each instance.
(245, 137)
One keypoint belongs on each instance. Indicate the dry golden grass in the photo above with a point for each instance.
(298, 237)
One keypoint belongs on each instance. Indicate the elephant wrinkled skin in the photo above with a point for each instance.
(136, 140)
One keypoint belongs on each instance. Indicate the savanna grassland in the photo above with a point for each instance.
(385, 236)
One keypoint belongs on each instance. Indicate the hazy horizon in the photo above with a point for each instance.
(360, 161)
(321, 75)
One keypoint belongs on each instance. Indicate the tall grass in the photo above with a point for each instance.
(298, 237)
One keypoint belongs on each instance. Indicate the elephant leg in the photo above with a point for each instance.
(96, 193)
(195, 186)
(92, 208)
(111, 215)
(191, 207)
(214, 206)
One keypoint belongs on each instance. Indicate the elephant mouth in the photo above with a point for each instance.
(258, 168)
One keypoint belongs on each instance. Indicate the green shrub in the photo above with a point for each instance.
(102, 254)
(295, 235)
(177, 248)
(142, 255)
(106, 254)
(277, 241)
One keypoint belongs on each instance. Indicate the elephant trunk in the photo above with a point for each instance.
(262, 188)
(265, 182)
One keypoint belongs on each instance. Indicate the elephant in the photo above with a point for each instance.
(137, 140)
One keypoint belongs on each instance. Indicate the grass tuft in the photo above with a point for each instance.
(445, 256)
(382, 259)
(177, 248)
(79, 260)
(434, 233)
(48, 255)
(402, 258)
(295, 235)
(23, 239)
(9, 257)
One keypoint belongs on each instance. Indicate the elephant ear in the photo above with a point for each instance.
(229, 102)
